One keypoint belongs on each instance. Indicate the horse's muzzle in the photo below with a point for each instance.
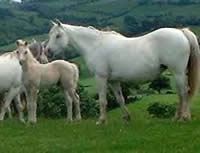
(20, 62)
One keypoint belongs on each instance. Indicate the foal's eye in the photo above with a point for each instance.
(57, 36)
(17, 52)
(25, 52)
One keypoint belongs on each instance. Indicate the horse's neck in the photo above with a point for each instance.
(83, 39)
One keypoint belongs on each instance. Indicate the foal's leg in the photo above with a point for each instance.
(116, 88)
(9, 97)
(68, 102)
(183, 109)
(76, 101)
(102, 90)
(31, 96)
(20, 108)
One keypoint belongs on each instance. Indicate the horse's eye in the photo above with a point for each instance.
(17, 52)
(57, 36)
(25, 52)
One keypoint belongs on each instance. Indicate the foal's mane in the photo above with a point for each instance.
(31, 57)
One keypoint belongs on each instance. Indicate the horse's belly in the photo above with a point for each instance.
(131, 73)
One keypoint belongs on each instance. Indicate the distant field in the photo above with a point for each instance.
(142, 135)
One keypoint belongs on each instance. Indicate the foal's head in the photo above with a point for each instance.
(22, 51)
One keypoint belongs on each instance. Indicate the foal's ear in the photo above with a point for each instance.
(18, 42)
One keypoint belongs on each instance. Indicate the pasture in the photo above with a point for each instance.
(143, 134)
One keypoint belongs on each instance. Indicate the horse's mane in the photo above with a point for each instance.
(11, 54)
(104, 31)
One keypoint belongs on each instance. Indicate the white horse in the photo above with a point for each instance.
(36, 75)
(113, 58)
(10, 83)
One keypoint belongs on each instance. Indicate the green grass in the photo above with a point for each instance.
(142, 135)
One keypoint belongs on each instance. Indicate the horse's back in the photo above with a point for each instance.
(172, 47)
(10, 72)
(140, 58)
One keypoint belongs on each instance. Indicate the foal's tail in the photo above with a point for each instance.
(76, 75)
(194, 62)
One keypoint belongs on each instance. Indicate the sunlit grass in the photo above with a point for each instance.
(142, 135)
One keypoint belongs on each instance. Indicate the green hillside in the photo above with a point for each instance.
(130, 17)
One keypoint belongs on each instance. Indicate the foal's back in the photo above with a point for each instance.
(58, 71)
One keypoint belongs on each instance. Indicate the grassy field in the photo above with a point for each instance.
(142, 135)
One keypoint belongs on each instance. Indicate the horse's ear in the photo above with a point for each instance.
(53, 23)
(34, 41)
(26, 43)
(58, 22)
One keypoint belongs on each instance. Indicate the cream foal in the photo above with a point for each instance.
(36, 75)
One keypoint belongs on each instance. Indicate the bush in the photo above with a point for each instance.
(51, 103)
(162, 82)
(162, 110)
(89, 105)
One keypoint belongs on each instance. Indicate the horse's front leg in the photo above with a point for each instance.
(20, 108)
(68, 102)
(9, 97)
(102, 91)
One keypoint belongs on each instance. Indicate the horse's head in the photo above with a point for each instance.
(22, 51)
(43, 57)
(38, 51)
(58, 38)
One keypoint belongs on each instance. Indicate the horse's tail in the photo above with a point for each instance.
(194, 61)
(76, 75)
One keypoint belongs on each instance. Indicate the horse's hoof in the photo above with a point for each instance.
(22, 121)
(78, 118)
(31, 122)
(69, 121)
(127, 117)
(186, 117)
(183, 117)
(99, 122)
(1, 118)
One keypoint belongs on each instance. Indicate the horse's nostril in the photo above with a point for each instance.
(20, 62)
(49, 52)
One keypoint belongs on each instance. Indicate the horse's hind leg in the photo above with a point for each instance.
(19, 107)
(116, 88)
(183, 109)
(68, 102)
(9, 97)
(9, 111)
